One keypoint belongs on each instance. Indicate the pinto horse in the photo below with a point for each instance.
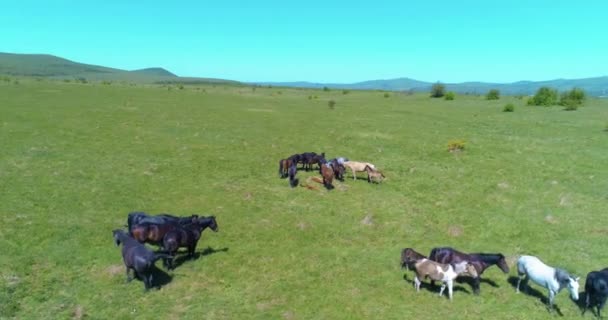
(338, 168)
(481, 261)
(554, 279)
(409, 257)
(328, 176)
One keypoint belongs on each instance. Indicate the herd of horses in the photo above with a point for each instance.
(328, 169)
(167, 231)
(445, 264)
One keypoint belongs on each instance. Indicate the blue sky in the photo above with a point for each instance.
(320, 41)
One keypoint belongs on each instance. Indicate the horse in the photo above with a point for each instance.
(338, 168)
(153, 233)
(293, 170)
(554, 279)
(186, 236)
(284, 165)
(137, 257)
(306, 159)
(409, 257)
(446, 273)
(135, 218)
(373, 175)
(481, 261)
(328, 176)
(596, 291)
(356, 166)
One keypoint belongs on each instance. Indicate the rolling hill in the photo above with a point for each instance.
(597, 86)
(49, 66)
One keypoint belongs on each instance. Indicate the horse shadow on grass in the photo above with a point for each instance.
(159, 278)
(526, 289)
(182, 258)
(470, 281)
(426, 285)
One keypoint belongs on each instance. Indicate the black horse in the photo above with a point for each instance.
(293, 170)
(186, 236)
(481, 261)
(338, 169)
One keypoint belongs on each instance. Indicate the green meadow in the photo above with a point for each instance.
(75, 159)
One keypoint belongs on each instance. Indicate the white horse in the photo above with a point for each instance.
(554, 279)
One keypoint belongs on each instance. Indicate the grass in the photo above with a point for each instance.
(77, 158)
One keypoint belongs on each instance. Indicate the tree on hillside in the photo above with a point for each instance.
(493, 94)
(437, 90)
(545, 96)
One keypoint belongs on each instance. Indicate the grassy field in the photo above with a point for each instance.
(77, 158)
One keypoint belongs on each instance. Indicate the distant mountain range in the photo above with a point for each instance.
(48, 66)
(593, 86)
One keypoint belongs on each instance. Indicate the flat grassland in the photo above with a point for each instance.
(76, 158)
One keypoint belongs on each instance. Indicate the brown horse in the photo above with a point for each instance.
(284, 165)
(409, 257)
(153, 233)
(481, 261)
(186, 236)
(328, 176)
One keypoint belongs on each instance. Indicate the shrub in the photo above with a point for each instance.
(106, 82)
(325, 89)
(450, 95)
(345, 91)
(493, 94)
(456, 145)
(509, 107)
(386, 95)
(180, 87)
(331, 104)
(437, 90)
(545, 96)
(572, 99)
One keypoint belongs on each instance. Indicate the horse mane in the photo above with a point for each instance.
(562, 277)
(488, 257)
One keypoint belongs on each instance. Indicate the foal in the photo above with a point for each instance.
(446, 273)
(373, 175)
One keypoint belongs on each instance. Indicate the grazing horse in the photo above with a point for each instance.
(481, 261)
(137, 257)
(338, 168)
(446, 273)
(596, 291)
(356, 166)
(186, 236)
(373, 175)
(328, 176)
(284, 165)
(409, 257)
(293, 170)
(554, 279)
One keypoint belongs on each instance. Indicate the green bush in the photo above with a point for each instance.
(325, 89)
(345, 91)
(386, 95)
(437, 90)
(545, 96)
(572, 99)
(331, 104)
(493, 94)
(509, 107)
(450, 95)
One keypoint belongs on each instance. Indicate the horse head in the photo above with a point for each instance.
(118, 235)
(502, 264)
(213, 225)
(565, 280)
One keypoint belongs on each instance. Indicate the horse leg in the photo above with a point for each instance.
(551, 298)
(417, 283)
(476, 285)
(354, 175)
(128, 275)
(450, 289)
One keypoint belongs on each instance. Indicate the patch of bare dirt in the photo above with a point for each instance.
(368, 220)
(455, 231)
(115, 269)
